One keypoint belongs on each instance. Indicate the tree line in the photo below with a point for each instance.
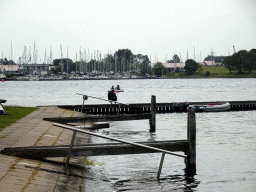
(241, 61)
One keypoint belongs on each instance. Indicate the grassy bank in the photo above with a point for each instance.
(14, 113)
(215, 72)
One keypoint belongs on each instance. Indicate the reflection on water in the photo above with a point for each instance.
(139, 172)
(225, 155)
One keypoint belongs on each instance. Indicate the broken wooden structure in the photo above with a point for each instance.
(117, 117)
(188, 146)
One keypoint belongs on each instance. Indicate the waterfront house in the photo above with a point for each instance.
(7, 69)
(35, 69)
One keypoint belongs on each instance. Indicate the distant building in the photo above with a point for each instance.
(215, 61)
(35, 69)
(9, 69)
(219, 60)
(209, 63)
(172, 66)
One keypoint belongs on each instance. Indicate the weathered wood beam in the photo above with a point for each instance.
(94, 126)
(83, 119)
(38, 152)
(191, 137)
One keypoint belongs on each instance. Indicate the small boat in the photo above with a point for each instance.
(118, 90)
(2, 77)
(211, 107)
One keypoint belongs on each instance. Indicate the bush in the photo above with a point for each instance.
(190, 67)
(208, 73)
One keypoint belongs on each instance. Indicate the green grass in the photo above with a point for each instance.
(14, 113)
(215, 72)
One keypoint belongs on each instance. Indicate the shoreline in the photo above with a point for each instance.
(192, 77)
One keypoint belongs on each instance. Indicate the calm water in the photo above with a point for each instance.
(226, 147)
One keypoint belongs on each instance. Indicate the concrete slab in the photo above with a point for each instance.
(18, 174)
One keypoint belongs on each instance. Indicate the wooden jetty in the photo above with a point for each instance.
(187, 146)
(140, 108)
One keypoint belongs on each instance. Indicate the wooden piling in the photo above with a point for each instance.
(191, 136)
(160, 166)
(153, 114)
(70, 151)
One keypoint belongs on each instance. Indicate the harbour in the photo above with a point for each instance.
(225, 140)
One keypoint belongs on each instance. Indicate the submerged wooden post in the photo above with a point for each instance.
(153, 113)
(191, 136)
(160, 166)
(70, 150)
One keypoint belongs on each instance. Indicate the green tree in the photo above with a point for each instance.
(249, 61)
(177, 70)
(175, 59)
(241, 61)
(253, 51)
(56, 69)
(159, 69)
(229, 64)
(190, 67)
(66, 62)
(123, 58)
(109, 61)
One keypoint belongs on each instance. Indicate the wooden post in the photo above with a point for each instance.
(82, 105)
(118, 111)
(153, 113)
(160, 166)
(70, 150)
(191, 136)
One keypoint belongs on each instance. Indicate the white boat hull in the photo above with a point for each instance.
(211, 108)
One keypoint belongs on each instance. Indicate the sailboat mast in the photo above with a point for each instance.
(67, 60)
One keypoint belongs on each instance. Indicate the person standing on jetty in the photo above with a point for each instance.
(112, 96)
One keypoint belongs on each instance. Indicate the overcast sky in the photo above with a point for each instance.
(156, 28)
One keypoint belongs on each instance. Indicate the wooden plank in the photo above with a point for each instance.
(38, 152)
(83, 119)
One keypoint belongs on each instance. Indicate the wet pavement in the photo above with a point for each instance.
(17, 174)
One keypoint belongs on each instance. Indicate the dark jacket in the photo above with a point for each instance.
(112, 96)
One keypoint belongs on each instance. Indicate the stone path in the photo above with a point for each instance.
(17, 174)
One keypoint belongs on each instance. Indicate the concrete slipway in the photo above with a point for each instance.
(17, 174)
